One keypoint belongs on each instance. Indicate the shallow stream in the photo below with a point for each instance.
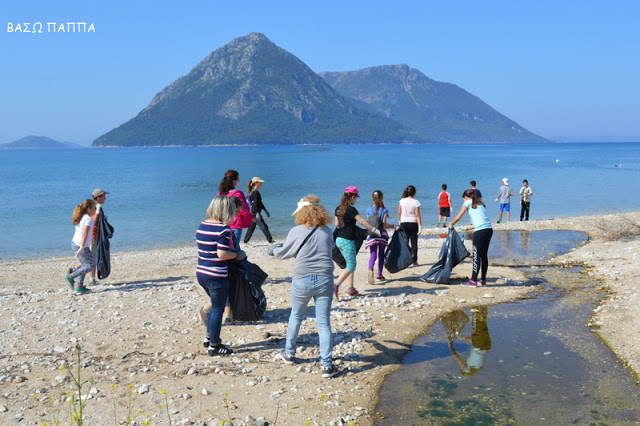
(529, 362)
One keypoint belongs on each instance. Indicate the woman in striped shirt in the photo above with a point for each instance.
(214, 250)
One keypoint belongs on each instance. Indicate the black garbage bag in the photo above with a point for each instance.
(336, 254)
(338, 258)
(103, 250)
(398, 255)
(248, 301)
(452, 252)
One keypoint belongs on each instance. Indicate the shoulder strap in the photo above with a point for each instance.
(305, 240)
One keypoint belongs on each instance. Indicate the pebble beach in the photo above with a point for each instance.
(138, 338)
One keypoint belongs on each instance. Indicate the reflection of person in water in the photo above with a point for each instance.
(525, 239)
(479, 339)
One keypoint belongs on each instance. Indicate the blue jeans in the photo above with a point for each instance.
(302, 290)
(218, 289)
(236, 234)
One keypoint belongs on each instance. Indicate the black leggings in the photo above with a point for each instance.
(411, 228)
(481, 240)
(260, 223)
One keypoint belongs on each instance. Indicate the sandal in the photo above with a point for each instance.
(221, 350)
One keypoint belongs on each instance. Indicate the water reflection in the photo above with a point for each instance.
(480, 340)
(525, 240)
(545, 366)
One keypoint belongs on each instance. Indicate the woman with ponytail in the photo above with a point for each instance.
(81, 243)
(482, 233)
(346, 217)
(244, 218)
(377, 245)
(410, 219)
(257, 207)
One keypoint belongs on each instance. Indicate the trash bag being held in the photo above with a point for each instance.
(248, 301)
(452, 252)
(398, 255)
(103, 251)
(336, 254)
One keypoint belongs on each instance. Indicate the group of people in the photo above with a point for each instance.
(311, 244)
(504, 197)
(84, 243)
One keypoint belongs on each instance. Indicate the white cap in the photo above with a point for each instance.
(505, 181)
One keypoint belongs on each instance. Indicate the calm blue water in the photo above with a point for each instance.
(159, 195)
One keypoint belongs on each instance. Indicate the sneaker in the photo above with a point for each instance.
(336, 292)
(221, 350)
(370, 277)
(70, 281)
(352, 292)
(498, 221)
(206, 342)
(381, 278)
(288, 359)
(482, 282)
(471, 284)
(93, 281)
(328, 372)
(204, 316)
(82, 290)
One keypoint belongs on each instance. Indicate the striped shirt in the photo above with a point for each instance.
(211, 237)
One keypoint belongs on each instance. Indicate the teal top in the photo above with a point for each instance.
(479, 218)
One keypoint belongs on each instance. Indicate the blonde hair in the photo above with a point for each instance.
(82, 209)
(221, 209)
(313, 214)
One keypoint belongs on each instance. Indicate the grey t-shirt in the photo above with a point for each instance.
(505, 194)
(314, 257)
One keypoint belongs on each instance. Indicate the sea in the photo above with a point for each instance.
(158, 195)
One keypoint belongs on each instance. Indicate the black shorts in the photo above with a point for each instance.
(445, 211)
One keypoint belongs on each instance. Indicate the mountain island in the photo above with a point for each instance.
(251, 91)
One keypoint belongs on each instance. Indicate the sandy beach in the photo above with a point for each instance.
(140, 336)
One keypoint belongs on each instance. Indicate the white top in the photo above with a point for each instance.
(525, 193)
(77, 236)
(409, 210)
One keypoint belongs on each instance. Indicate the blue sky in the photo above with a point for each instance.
(562, 69)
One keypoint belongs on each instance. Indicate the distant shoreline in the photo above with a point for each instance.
(318, 144)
